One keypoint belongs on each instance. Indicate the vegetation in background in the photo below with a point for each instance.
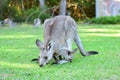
(106, 20)
(19, 10)
(36, 14)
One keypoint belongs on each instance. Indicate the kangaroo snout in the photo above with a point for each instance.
(41, 65)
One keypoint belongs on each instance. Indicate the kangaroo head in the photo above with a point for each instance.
(45, 54)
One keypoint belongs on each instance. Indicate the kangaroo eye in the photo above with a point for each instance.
(45, 57)
(43, 48)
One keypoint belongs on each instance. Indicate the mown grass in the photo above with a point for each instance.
(17, 48)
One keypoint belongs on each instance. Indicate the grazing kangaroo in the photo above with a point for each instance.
(59, 32)
(10, 22)
(37, 22)
(64, 55)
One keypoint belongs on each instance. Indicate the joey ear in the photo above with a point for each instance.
(39, 44)
(74, 51)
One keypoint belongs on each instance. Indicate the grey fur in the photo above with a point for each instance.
(59, 32)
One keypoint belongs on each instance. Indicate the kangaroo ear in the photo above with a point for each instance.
(69, 51)
(39, 44)
(74, 51)
(49, 45)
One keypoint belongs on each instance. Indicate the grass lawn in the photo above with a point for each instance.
(17, 48)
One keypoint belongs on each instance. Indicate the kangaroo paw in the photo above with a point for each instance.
(35, 59)
(54, 63)
(63, 61)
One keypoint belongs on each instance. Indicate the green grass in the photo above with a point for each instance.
(17, 48)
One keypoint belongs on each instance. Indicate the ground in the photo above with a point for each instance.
(17, 48)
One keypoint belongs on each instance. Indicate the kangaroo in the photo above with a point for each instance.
(10, 22)
(64, 55)
(59, 32)
(37, 22)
